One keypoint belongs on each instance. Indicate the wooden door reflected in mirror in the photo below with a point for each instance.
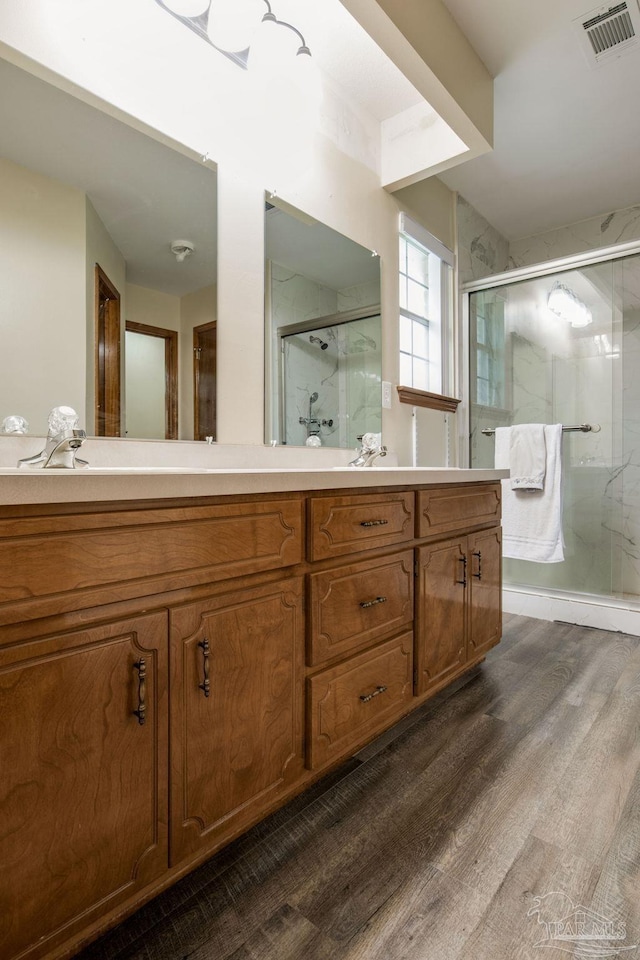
(151, 365)
(107, 338)
(204, 379)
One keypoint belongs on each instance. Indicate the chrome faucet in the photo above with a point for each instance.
(312, 423)
(370, 451)
(63, 442)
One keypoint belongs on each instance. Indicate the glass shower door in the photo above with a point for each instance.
(552, 349)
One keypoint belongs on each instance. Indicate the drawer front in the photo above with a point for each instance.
(53, 564)
(340, 525)
(447, 510)
(353, 606)
(350, 703)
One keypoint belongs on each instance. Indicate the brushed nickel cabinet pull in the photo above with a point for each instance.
(369, 696)
(373, 523)
(372, 603)
(141, 712)
(463, 561)
(478, 575)
(206, 685)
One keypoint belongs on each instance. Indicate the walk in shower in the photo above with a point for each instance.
(561, 344)
(330, 383)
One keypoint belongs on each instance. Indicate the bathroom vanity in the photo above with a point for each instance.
(173, 667)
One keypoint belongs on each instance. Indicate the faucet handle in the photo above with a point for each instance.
(62, 419)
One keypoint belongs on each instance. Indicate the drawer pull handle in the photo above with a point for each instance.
(478, 554)
(140, 713)
(371, 603)
(373, 523)
(205, 686)
(369, 696)
(463, 561)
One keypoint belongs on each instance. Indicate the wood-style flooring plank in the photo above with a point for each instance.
(586, 807)
(509, 928)
(286, 935)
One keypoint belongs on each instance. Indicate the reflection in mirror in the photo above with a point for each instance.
(89, 209)
(323, 333)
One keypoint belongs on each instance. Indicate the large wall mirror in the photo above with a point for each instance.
(96, 311)
(323, 333)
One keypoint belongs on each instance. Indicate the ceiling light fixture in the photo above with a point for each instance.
(231, 26)
(564, 303)
(182, 249)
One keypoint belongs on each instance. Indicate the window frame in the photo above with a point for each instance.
(439, 325)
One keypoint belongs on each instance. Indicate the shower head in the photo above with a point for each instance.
(321, 343)
(313, 398)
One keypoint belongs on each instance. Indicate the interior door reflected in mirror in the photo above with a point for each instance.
(93, 208)
(323, 333)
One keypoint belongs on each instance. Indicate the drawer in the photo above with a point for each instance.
(350, 703)
(340, 525)
(447, 510)
(53, 563)
(353, 606)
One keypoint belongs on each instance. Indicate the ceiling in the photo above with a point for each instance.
(567, 134)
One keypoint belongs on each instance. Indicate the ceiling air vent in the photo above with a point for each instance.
(609, 32)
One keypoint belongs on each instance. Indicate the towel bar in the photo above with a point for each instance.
(577, 428)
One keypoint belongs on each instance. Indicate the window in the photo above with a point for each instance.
(487, 339)
(425, 309)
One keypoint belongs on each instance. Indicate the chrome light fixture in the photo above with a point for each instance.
(566, 305)
(231, 26)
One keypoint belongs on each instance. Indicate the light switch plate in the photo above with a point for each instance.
(386, 395)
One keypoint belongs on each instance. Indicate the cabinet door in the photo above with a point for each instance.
(441, 613)
(83, 799)
(485, 618)
(237, 712)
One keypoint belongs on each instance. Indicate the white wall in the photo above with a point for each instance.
(42, 289)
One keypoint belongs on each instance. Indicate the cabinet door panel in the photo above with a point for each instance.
(234, 749)
(441, 613)
(485, 620)
(83, 805)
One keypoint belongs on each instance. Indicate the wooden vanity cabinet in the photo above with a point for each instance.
(236, 710)
(83, 800)
(459, 600)
(258, 651)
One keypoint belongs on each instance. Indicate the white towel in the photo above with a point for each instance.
(527, 456)
(532, 521)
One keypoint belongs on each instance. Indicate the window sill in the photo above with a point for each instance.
(422, 398)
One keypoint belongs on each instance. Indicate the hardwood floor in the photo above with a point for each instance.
(465, 832)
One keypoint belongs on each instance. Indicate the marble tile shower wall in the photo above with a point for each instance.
(602, 471)
(346, 375)
(619, 226)
(482, 250)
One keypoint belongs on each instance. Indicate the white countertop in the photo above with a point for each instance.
(148, 483)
